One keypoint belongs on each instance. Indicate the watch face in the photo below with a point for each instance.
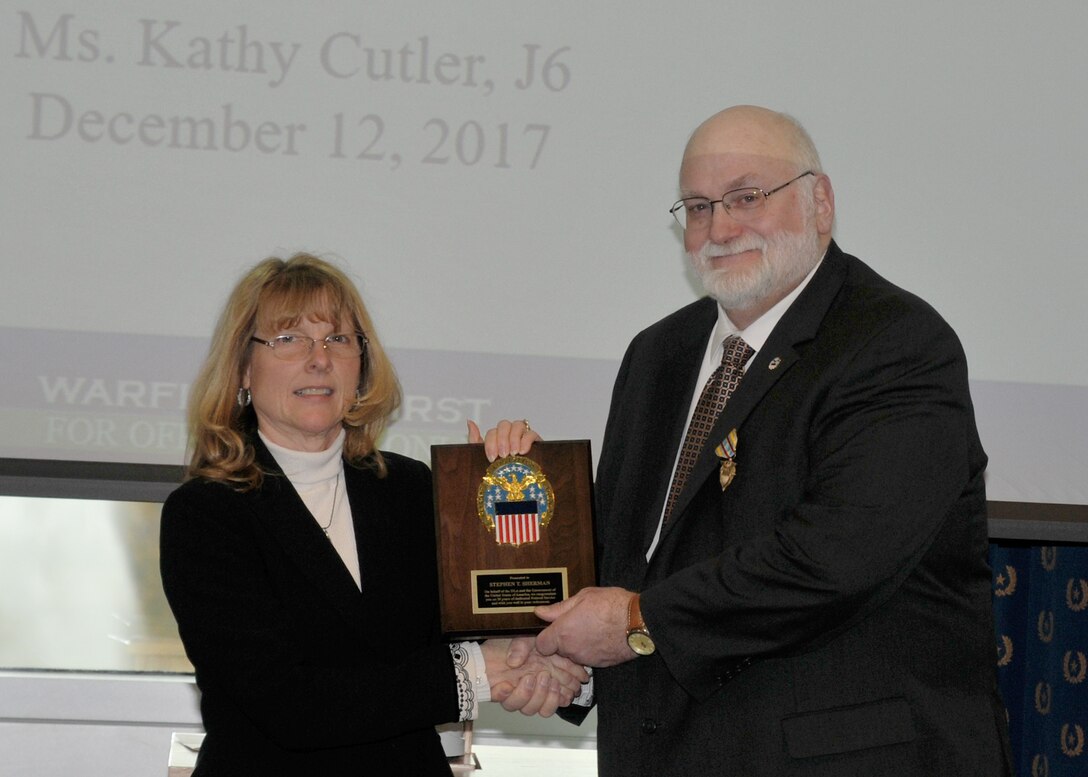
(641, 643)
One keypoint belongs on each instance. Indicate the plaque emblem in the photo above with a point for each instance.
(515, 500)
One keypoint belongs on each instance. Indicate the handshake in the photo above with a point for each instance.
(524, 680)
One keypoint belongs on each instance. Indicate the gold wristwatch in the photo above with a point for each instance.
(638, 636)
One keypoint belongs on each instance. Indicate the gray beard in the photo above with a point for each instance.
(787, 257)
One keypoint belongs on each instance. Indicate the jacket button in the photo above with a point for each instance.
(648, 726)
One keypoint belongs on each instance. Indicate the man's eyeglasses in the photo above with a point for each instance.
(741, 204)
(297, 347)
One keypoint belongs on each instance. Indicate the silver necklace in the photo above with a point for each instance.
(332, 512)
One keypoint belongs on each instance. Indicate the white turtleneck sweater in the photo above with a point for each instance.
(319, 480)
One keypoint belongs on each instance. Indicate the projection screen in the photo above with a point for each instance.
(496, 177)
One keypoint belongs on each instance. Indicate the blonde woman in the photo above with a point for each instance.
(299, 560)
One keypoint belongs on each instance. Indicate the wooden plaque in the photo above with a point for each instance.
(511, 534)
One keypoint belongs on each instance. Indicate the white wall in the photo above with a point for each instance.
(63, 725)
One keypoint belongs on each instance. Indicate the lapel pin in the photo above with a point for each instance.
(774, 363)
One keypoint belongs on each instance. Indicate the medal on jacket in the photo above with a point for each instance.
(727, 453)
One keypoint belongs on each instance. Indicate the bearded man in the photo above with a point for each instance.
(802, 587)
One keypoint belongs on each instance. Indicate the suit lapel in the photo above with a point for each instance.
(799, 325)
(369, 497)
(286, 517)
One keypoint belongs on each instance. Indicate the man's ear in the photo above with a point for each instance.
(825, 204)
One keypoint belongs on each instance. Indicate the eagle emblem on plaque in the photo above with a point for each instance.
(515, 501)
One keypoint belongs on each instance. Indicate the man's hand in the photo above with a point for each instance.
(505, 438)
(590, 628)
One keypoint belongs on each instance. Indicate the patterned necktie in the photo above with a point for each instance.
(719, 387)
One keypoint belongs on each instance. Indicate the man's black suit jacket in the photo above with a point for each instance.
(300, 672)
(829, 612)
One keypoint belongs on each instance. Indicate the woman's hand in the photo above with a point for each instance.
(505, 438)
